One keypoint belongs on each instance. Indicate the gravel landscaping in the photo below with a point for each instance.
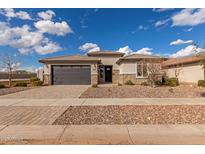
(138, 91)
(133, 114)
(5, 91)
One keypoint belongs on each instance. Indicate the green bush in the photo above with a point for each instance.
(2, 86)
(173, 82)
(144, 83)
(20, 84)
(95, 85)
(158, 83)
(201, 83)
(34, 79)
(37, 83)
(129, 82)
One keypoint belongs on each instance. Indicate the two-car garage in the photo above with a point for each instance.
(71, 74)
(70, 70)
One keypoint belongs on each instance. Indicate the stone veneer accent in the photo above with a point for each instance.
(125, 77)
(94, 79)
(46, 79)
(115, 76)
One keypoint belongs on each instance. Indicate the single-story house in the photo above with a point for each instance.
(112, 67)
(189, 69)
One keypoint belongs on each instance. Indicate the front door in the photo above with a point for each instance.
(108, 73)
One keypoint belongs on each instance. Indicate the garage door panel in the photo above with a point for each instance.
(71, 75)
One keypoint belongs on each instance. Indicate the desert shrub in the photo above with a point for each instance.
(144, 83)
(201, 83)
(95, 85)
(34, 79)
(158, 83)
(20, 84)
(37, 83)
(129, 82)
(2, 86)
(173, 82)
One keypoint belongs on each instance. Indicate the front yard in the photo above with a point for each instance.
(132, 114)
(5, 91)
(139, 91)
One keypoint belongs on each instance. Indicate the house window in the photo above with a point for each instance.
(141, 70)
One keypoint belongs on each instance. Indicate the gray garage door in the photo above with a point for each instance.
(71, 75)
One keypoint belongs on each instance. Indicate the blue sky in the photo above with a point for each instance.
(33, 34)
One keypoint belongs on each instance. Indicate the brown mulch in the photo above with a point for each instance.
(5, 91)
(133, 114)
(138, 91)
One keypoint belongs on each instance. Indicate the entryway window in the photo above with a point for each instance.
(141, 70)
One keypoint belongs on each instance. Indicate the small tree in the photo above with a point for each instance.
(154, 71)
(202, 56)
(177, 70)
(9, 63)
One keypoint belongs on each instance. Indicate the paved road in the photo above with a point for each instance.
(50, 92)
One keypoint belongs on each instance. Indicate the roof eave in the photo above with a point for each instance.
(67, 61)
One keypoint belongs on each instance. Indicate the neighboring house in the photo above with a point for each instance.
(16, 76)
(40, 74)
(189, 69)
(111, 67)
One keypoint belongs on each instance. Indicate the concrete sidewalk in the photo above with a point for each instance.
(103, 134)
(104, 101)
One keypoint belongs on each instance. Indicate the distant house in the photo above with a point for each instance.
(190, 68)
(17, 75)
(112, 67)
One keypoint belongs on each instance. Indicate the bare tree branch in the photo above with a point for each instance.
(9, 63)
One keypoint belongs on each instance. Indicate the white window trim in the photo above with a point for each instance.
(140, 77)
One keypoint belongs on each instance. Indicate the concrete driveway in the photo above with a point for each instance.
(50, 92)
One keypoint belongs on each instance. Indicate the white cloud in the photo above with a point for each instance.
(25, 40)
(89, 47)
(189, 29)
(141, 27)
(162, 9)
(189, 50)
(16, 65)
(161, 22)
(47, 48)
(48, 15)
(57, 28)
(10, 13)
(145, 51)
(126, 50)
(189, 17)
(179, 41)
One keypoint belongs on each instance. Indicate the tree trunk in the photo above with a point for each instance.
(204, 72)
(10, 75)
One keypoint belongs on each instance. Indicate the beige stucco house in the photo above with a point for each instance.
(189, 69)
(114, 67)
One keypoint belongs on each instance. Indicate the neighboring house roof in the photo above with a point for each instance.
(138, 56)
(183, 60)
(70, 58)
(105, 53)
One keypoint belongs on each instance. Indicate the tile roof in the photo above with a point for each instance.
(139, 56)
(105, 53)
(70, 58)
(183, 60)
